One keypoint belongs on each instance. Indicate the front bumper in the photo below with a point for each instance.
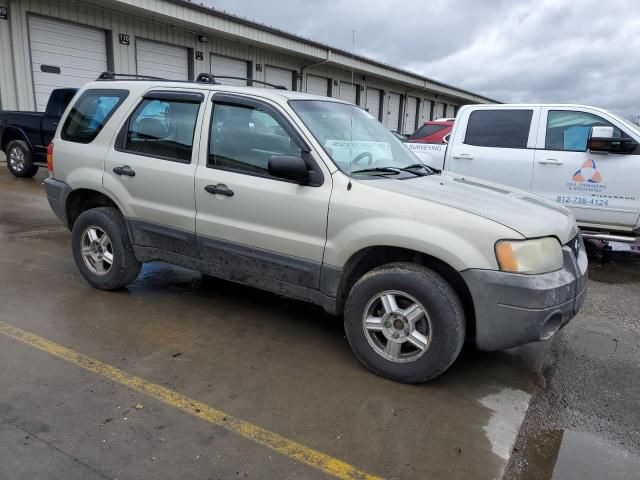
(57, 193)
(513, 309)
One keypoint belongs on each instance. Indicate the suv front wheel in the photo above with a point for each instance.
(404, 322)
(102, 249)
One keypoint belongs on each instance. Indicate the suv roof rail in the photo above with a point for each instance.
(212, 79)
(135, 76)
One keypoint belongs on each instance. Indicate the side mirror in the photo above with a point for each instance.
(289, 167)
(601, 139)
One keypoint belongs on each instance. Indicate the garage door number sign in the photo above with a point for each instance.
(124, 38)
(4, 13)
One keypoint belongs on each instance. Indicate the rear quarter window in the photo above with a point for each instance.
(90, 114)
(499, 128)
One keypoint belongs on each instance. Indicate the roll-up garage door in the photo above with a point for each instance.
(426, 111)
(439, 111)
(393, 111)
(230, 67)
(64, 55)
(451, 111)
(410, 115)
(348, 92)
(279, 76)
(317, 85)
(162, 60)
(373, 102)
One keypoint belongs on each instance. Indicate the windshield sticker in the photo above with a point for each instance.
(341, 149)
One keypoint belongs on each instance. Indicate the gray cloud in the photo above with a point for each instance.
(527, 51)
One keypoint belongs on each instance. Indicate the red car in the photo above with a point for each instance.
(434, 131)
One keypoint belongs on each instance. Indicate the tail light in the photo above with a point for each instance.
(50, 158)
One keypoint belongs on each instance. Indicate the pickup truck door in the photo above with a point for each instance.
(246, 219)
(602, 189)
(495, 144)
(150, 169)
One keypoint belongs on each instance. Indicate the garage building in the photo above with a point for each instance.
(48, 44)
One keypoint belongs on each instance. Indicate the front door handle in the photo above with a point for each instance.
(550, 161)
(462, 156)
(124, 170)
(220, 189)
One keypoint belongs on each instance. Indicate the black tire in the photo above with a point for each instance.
(22, 166)
(124, 268)
(441, 303)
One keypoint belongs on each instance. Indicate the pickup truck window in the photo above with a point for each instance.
(499, 128)
(569, 130)
(163, 129)
(90, 113)
(244, 138)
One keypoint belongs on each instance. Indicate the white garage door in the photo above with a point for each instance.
(373, 102)
(426, 111)
(64, 55)
(279, 76)
(439, 111)
(451, 111)
(230, 67)
(393, 111)
(162, 60)
(348, 92)
(410, 115)
(317, 85)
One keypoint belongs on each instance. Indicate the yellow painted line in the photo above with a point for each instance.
(278, 443)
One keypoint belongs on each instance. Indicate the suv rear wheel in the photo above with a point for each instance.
(102, 249)
(20, 160)
(405, 322)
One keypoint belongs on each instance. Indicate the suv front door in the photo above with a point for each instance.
(151, 168)
(497, 145)
(246, 219)
(601, 188)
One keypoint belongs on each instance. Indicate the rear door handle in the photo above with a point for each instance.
(462, 156)
(550, 161)
(220, 189)
(124, 170)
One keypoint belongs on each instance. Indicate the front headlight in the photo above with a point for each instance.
(540, 255)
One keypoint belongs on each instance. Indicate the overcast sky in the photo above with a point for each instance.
(567, 51)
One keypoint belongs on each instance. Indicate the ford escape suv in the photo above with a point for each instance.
(311, 198)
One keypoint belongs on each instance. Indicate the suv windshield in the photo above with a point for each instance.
(356, 142)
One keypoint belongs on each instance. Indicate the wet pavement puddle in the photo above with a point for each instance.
(573, 455)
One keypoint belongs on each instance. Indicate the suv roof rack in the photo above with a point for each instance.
(212, 79)
(134, 76)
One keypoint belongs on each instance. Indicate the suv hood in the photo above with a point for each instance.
(529, 215)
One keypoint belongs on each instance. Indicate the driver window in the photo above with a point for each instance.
(244, 138)
(569, 131)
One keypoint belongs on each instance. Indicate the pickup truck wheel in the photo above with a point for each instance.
(102, 249)
(19, 159)
(404, 322)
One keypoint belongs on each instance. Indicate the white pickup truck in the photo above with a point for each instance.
(585, 158)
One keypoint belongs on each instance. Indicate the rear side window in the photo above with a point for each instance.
(499, 128)
(163, 129)
(90, 113)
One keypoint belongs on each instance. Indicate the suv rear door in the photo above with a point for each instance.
(246, 219)
(601, 188)
(151, 168)
(495, 144)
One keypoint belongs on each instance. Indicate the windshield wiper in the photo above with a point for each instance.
(413, 166)
(387, 170)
